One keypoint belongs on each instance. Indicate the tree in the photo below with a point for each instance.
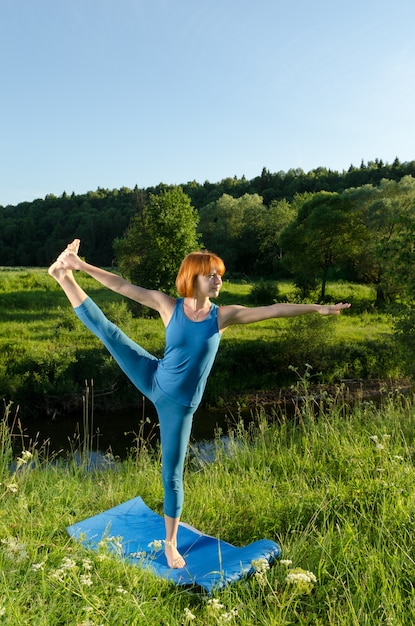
(279, 215)
(319, 239)
(159, 236)
(230, 227)
(386, 257)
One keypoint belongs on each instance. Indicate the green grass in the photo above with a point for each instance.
(47, 354)
(333, 485)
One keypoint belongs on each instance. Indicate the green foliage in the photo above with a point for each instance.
(264, 292)
(158, 239)
(385, 255)
(46, 354)
(231, 228)
(34, 233)
(279, 215)
(318, 240)
(261, 357)
(405, 338)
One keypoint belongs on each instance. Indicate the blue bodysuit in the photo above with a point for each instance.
(174, 384)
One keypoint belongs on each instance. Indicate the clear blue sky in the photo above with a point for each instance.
(112, 93)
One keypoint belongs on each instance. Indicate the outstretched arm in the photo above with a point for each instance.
(154, 299)
(234, 314)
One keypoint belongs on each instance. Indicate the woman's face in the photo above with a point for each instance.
(208, 286)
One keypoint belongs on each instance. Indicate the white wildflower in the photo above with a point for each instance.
(67, 566)
(114, 543)
(86, 580)
(59, 575)
(214, 604)
(38, 566)
(260, 565)
(156, 545)
(302, 579)
(398, 457)
(228, 617)
(188, 615)
(138, 555)
(121, 590)
(87, 564)
(286, 562)
(15, 549)
(380, 446)
(12, 487)
(24, 458)
(68, 563)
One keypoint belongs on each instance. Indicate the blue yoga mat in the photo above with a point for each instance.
(135, 532)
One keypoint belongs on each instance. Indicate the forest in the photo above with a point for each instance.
(305, 226)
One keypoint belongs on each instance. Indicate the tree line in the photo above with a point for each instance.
(308, 226)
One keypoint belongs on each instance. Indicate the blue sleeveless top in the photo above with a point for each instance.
(190, 351)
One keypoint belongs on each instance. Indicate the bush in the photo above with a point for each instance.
(264, 292)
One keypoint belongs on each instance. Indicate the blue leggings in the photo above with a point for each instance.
(175, 419)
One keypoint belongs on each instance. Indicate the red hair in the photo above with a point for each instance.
(195, 263)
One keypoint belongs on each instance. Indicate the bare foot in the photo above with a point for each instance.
(74, 246)
(57, 269)
(173, 556)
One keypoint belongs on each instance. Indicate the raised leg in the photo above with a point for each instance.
(75, 294)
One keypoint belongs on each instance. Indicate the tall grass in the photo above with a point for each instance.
(333, 485)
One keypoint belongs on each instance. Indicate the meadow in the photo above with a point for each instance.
(333, 485)
(46, 355)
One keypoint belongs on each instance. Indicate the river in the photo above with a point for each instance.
(116, 431)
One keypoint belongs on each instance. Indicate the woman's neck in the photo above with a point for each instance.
(197, 308)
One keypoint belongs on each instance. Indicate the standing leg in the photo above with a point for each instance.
(173, 556)
(175, 427)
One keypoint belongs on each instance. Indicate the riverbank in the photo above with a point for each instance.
(335, 492)
(348, 390)
(117, 430)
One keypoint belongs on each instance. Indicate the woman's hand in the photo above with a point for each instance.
(333, 309)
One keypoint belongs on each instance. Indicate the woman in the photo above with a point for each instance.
(176, 382)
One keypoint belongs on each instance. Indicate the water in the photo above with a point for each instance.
(117, 431)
